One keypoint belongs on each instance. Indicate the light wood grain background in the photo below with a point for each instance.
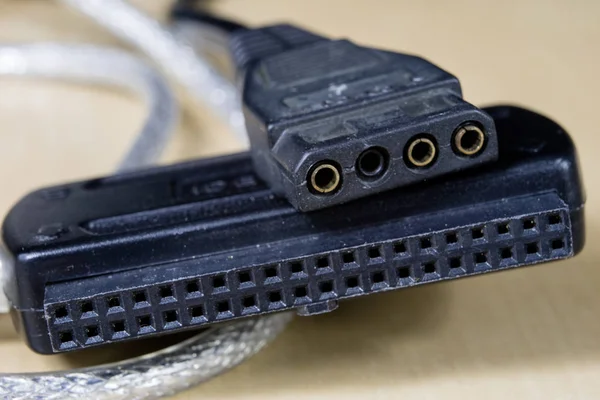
(533, 333)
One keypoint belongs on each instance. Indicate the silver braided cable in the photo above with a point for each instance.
(175, 368)
(101, 66)
(109, 67)
(174, 57)
(154, 375)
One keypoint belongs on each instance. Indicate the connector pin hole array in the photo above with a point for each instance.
(296, 282)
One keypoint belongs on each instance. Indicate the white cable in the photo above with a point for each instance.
(105, 66)
(174, 57)
(155, 375)
(208, 354)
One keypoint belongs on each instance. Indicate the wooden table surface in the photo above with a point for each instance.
(530, 333)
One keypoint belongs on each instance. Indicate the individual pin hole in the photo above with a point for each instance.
(192, 287)
(429, 268)
(300, 291)
(554, 219)
(322, 262)
(118, 326)
(249, 301)
(426, 243)
(451, 238)
(170, 316)
(166, 291)
(557, 244)
(196, 312)
(87, 307)
(296, 267)
(528, 223)
(403, 272)
(271, 272)
(326, 286)
(65, 337)
(144, 321)
(61, 312)
(139, 297)
(113, 302)
(532, 248)
(420, 151)
(352, 282)
(245, 276)
(324, 178)
(348, 257)
(91, 331)
(399, 247)
(374, 252)
(455, 262)
(506, 252)
(378, 277)
(218, 281)
(480, 258)
(274, 297)
(477, 233)
(372, 163)
(223, 306)
(468, 139)
(503, 228)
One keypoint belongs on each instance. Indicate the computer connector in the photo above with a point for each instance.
(330, 121)
(179, 247)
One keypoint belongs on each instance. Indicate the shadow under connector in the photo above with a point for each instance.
(330, 121)
(180, 247)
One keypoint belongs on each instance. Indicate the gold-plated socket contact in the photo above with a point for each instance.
(469, 139)
(421, 152)
(325, 178)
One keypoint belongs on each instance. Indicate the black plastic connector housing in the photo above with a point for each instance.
(330, 121)
(179, 247)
